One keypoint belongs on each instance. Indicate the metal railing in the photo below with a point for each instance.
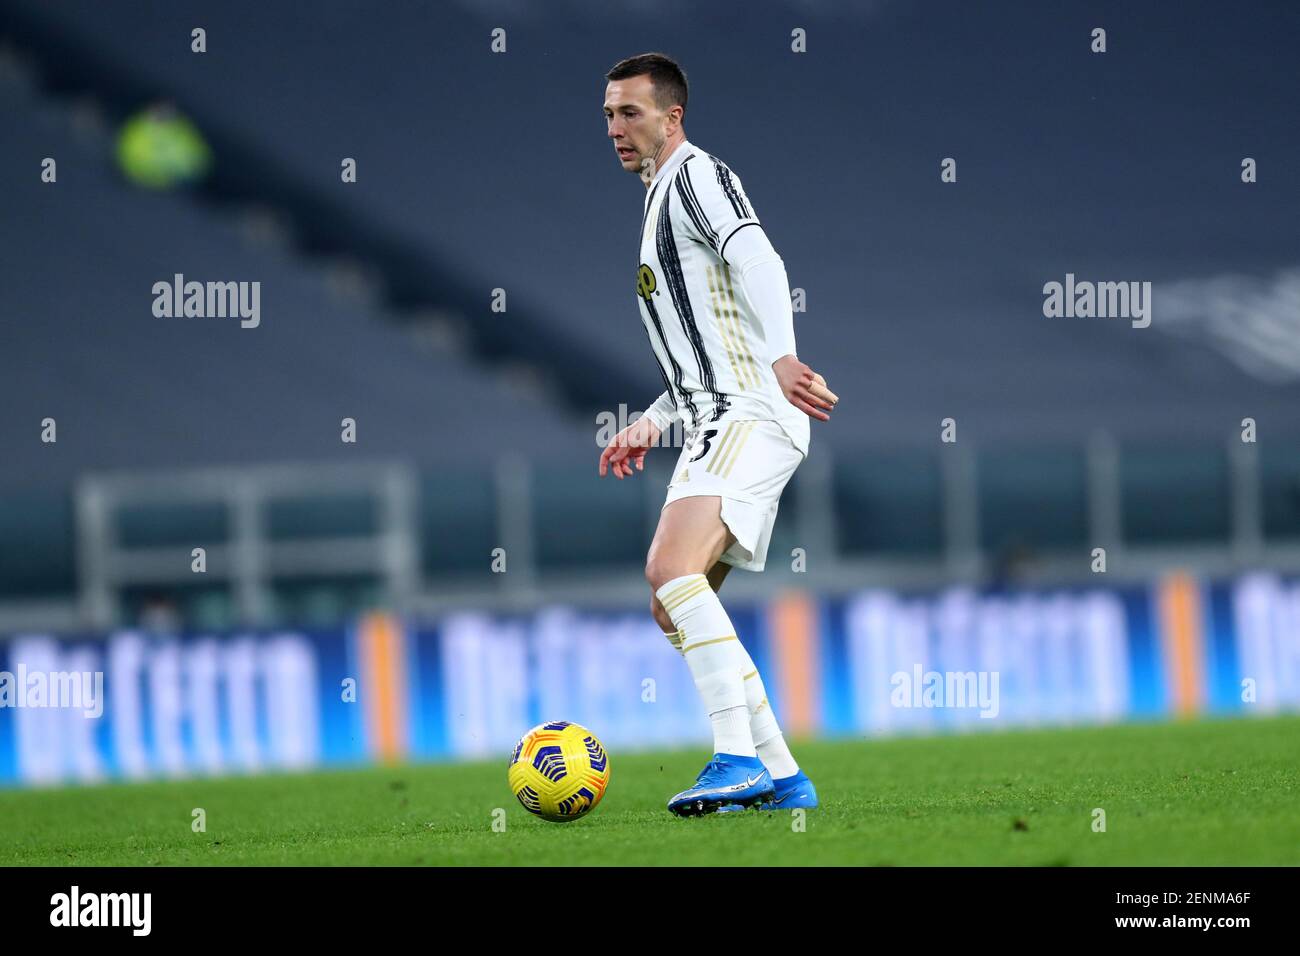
(250, 560)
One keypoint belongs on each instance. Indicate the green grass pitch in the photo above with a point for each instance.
(1197, 793)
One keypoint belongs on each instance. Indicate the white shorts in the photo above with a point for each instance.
(747, 465)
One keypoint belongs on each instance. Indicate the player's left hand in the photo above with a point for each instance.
(803, 388)
(629, 448)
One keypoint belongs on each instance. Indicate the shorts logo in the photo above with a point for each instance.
(645, 282)
(703, 443)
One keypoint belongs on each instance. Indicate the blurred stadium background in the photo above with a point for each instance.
(477, 429)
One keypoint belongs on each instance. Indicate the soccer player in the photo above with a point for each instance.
(715, 302)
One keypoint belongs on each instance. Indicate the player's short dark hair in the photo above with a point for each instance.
(668, 78)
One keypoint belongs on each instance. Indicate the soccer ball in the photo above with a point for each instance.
(558, 771)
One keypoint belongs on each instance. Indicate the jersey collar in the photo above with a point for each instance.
(684, 149)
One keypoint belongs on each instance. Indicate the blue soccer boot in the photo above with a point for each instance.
(727, 779)
(789, 793)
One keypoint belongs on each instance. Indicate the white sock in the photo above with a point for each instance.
(726, 729)
(731, 733)
(769, 742)
(714, 655)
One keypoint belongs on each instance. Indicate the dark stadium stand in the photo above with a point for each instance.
(91, 354)
(131, 391)
(924, 302)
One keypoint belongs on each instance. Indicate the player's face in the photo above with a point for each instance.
(636, 125)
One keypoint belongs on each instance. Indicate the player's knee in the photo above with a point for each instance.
(661, 616)
(659, 571)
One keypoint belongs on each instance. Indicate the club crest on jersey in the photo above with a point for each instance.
(645, 281)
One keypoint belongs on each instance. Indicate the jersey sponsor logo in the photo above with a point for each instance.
(645, 281)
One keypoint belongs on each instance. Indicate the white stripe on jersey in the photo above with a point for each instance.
(706, 338)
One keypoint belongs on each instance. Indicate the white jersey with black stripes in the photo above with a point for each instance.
(712, 345)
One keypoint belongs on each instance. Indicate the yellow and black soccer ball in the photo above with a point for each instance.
(559, 771)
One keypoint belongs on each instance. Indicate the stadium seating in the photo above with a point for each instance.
(923, 299)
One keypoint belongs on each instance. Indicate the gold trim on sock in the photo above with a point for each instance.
(694, 579)
(673, 603)
(716, 640)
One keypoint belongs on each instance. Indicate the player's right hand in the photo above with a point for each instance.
(803, 388)
(628, 449)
